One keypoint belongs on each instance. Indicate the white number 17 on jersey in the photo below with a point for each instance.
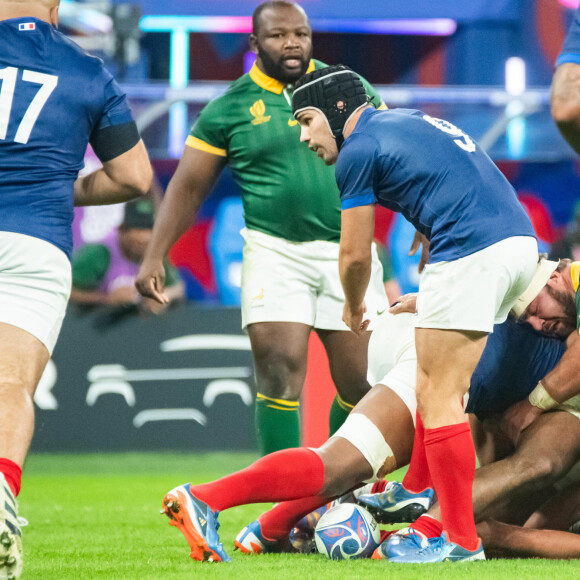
(8, 76)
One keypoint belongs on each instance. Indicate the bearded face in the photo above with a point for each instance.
(283, 43)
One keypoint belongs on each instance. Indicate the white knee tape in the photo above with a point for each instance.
(365, 436)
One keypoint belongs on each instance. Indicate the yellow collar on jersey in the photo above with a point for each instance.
(575, 273)
(268, 83)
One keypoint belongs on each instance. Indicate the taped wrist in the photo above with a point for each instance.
(541, 399)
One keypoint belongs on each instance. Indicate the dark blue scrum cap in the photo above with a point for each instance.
(336, 91)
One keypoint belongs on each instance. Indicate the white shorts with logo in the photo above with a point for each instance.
(35, 283)
(285, 281)
(479, 290)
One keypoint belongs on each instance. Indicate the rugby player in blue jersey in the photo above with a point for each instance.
(482, 255)
(565, 93)
(54, 100)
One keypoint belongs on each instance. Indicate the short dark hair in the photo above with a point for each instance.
(270, 4)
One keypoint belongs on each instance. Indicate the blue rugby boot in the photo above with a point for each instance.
(395, 504)
(402, 542)
(197, 522)
(440, 549)
(251, 541)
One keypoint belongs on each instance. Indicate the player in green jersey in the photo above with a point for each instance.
(290, 281)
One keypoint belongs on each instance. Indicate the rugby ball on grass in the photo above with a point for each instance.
(346, 532)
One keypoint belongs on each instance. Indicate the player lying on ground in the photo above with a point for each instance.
(556, 311)
(514, 490)
(510, 489)
(541, 535)
(376, 439)
(552, 310)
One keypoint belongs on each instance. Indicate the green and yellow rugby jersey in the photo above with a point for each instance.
(287, 191)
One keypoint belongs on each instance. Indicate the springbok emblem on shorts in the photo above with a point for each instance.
(258, 298)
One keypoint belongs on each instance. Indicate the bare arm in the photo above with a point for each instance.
(560, 385)
(190, 185)
(354, 262)
(506, 541)
(564, 381)
(123, 178)
(565, 102)
(87, 296)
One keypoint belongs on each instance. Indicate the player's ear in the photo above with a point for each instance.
(53, 12)
(253, 42)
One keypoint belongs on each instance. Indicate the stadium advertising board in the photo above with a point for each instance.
(119, 380)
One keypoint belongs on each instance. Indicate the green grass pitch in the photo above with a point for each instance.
(97, 516)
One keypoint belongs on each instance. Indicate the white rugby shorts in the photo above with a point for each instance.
(286, 281)
(479, 290)
(392, 358)
(35, 284)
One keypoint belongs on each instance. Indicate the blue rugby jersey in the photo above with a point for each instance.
(435, 175)
(514, 360)
(571, 48)
(54, 98)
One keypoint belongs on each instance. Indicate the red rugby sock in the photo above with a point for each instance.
(277, 522)
(385, 535)
(13, 475)
(418, 477)
(451, 457)
(285, 475)
(379, 486)
(428, 526)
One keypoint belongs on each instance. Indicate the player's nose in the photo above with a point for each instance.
(304, 134)
(536, 322)
(291, 40)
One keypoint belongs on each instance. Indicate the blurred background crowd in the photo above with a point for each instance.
(484, 66)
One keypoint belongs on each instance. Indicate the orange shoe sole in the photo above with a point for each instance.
(180, 518)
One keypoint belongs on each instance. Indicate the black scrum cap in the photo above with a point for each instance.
(336, 91)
